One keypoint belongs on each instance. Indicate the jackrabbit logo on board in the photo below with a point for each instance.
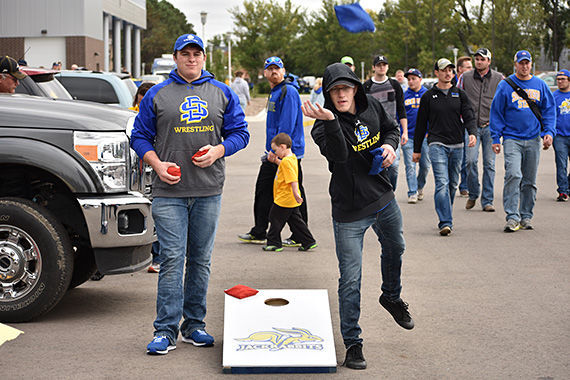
(281, 339)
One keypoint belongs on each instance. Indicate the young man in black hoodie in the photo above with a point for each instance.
(358, 139)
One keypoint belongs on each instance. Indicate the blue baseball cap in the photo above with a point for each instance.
(413, 71)
(188, 39)
(273, 61)
(522, 55)
(563, 73)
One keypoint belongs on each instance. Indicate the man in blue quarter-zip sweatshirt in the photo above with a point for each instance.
(512, 120)
(185, 127)
(284, 115)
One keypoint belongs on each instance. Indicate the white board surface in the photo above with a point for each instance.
(297, 337)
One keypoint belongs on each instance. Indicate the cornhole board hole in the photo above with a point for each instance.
(279, 331)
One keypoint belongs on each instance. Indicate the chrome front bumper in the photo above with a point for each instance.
(118, 220)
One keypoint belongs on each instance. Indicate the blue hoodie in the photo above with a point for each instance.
(285, 116)
(562, 113)
(177, 118)
(512, 118)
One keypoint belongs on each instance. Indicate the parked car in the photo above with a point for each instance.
(70, 201)
(163, 65)
(101, 87)
(550, 78)
(429, 82)
(41, 82)
(153, 78)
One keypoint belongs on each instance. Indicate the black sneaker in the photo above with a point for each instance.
(399, 310)
(309, 247)
(249, 238)
(354, 358)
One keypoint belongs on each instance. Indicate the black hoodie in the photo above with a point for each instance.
(346, 143)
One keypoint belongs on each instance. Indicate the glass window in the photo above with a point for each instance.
(92, 89)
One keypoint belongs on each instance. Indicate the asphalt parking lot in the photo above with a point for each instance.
(487, 305)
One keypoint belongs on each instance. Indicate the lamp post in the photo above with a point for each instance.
(455, 50)
(203, 16)
(229, 37)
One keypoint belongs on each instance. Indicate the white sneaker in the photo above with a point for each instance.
(413, 198)
(420, 194)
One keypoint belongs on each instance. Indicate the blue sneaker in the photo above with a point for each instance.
(160, 345)
(199, 338)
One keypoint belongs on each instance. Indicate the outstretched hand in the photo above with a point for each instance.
(317, 112)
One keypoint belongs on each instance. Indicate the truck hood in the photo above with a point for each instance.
(17, 110)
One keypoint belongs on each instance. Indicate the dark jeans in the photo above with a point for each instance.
(349, 240)
(278, 216)
(264, 199)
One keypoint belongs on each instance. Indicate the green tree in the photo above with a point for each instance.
(416, 33)
(219, 57)
(164, 23)
(264, 29)
(325, 42)
(557, 19)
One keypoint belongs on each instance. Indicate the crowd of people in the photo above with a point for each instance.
(361, 129)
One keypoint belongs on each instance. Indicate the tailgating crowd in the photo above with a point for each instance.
(362, 130)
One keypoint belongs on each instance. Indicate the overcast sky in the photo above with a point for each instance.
(220, 21)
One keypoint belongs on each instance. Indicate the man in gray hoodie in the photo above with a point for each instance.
(185, 127)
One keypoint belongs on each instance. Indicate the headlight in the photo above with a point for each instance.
(107, 153)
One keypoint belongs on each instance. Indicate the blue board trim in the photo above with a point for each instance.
(258, 370)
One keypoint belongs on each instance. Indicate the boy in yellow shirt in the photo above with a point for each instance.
(286, 198)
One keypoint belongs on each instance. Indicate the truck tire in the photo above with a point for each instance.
(36, 260)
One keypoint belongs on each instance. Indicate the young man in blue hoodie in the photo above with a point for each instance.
(283, 116)
(513, 120)
(562, 140)
(185, 127)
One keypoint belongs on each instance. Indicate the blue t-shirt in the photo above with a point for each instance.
(412, 105)
(562, 101)
(512, 118)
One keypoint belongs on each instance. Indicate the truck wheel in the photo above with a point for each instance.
(36, 260)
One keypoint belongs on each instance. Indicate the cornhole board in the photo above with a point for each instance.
(264, 335)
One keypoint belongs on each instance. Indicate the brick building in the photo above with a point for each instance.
(96, 34)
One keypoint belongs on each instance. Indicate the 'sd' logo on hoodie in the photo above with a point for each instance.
(361, 131)
(193, 109)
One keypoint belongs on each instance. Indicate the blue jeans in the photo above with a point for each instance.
(349, 237)
(463, 184)
(186, 228)
(446, 165)
(392, 170)
(419, 181)
(562, 153)
(484, 139)
(521, 165)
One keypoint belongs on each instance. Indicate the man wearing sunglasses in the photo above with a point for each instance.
(10, 75)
